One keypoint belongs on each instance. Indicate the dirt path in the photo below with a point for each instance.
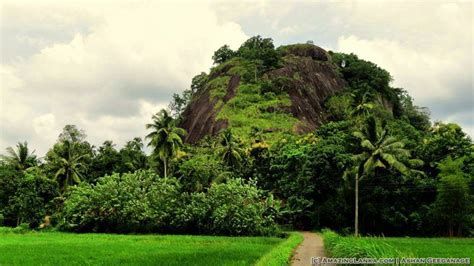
(312, 246)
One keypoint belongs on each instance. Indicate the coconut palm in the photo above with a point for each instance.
(230, 150)
(378, 150)
(165, 138)
(67, 164)
(21, 158)
(363, 103)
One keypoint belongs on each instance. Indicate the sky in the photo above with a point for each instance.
(107, 66)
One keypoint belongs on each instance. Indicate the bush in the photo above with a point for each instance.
(26, 198)
(133, 202)
(1, 219)
(143, 202)
(236, 208)
(21, 229)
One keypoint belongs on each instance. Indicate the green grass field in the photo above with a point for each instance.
(54, 248)
(434, 247)
(391, 247)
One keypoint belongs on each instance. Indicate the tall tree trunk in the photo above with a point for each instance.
(356, 218)
(164, 166)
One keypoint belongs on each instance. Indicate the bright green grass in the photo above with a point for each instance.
(281, 254)
(56, 248)
(390, 247)
(434, 247)
(248, 109)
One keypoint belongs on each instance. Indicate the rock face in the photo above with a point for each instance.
(306, 75)
(315, 81)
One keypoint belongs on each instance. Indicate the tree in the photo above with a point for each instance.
(179, 103)
(132, 156)
(419, 117)
(67, 164)
(165, 138)
(223, 54)
(453, 203)
(21, 159)
(72, 133)
(258, 49)
(230, 151)
(70, 158)
(378, 149)
(198, 82)
(106, 161)
(30, 201)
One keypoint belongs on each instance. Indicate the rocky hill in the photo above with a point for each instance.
(243, 95)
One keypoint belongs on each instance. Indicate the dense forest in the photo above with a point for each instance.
(270, 138)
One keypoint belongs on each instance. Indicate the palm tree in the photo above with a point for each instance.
(362, 104)
(230, 150)
(378, 150)
(166, 138)
(67, 165)
(21, 159)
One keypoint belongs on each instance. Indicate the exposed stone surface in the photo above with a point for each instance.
(306, 50)
(310, 83)
(309, 78)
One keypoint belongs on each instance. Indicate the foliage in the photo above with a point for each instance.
(223, 54)
(134, 202)
(259, 49)
(454, 203)
(442, 141)
(165, 137)
(144, 202)
(67, 164)
(237, 208)
(364, 75)
(197, 172)
(418, 117)
(28, 197)
(198, 82)
(105, 162)
(132, 157)
(230, 151)
(307, 173)
(179, 103)
(378, 150)
(21, 159)
(69, 159)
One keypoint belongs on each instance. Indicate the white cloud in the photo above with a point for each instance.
(107, 66)
(109, 79)
(426, 74)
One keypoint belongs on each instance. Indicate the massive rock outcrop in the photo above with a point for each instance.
(306, 76)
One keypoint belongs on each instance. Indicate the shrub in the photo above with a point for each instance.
(21, 229)
(237, 208)
(27, 197)
(133, 202)
(223, 54)
(143, 202)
